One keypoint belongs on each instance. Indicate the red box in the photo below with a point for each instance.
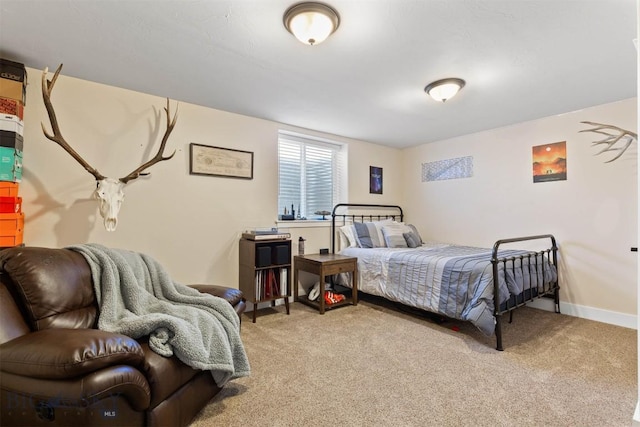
(12, 106)
(11, 229)
(9, 189)
(10, 204)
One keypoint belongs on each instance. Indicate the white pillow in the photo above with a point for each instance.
(348, 233)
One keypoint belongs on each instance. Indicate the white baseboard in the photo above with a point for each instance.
(636, 416)
(591, 313)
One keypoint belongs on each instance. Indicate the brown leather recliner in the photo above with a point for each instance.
(57, 368)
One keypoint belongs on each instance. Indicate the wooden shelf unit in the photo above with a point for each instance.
(265, 271)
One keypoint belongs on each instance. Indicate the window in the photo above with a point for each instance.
(311, 174)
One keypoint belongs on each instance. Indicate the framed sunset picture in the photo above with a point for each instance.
(550, 162)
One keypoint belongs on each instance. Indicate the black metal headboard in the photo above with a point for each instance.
(361, 212)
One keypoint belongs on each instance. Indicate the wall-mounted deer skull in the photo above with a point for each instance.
(109, 191)
(612, 135)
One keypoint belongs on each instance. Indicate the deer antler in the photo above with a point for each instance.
(611, 139)
(158, 157)
(109, 191)
(47, 88)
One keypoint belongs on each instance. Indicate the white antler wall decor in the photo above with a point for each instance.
(109, 191)
(612, 136)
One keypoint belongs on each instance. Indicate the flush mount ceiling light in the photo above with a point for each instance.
(311, 22)
(442, 90)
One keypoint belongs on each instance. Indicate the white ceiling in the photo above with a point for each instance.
(521, 59)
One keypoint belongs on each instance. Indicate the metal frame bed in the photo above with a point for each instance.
(347, 213)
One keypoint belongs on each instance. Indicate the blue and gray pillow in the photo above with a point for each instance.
(386, 233)
(368, 235)
(412, 239)
(415, 236)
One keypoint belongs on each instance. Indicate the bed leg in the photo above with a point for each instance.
(556, 298)
(499, 333)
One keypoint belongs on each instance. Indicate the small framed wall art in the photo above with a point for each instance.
(550, 162)
(375, 180)
(218, 161)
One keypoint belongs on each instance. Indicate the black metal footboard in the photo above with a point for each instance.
(534, 287)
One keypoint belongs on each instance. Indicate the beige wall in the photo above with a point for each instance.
(192, 223)
(593, 214)
(189, 223)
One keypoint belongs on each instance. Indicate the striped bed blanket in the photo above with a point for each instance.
(455, 281)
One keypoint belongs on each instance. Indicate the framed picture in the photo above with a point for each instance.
(550, 162)
(375, 180)
(218, 161)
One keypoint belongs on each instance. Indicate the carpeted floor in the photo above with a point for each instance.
(376, 365)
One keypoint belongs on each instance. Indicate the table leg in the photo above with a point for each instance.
(354, 285)
(295, 284)
(322, 290)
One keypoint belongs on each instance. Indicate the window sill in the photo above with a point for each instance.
(304, 223)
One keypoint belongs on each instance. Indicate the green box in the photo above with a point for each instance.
(10, 164)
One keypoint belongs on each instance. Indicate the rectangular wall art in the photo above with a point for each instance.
(550, 162)
(460, 167)
(217, 161)
(375, 180)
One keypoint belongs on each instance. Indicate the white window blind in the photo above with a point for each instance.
(310, 174)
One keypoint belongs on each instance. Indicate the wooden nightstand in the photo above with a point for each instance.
(326, 265)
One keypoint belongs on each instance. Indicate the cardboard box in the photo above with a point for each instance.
(10, 164)
(13, 90)
(11, 123)
(11, 140)
(12, 70)
(9, 189)
(10, 204)
(12, 106)
(11, 229)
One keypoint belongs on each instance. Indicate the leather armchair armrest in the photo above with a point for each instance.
(234, 296)
(103, 385)
(68, 353)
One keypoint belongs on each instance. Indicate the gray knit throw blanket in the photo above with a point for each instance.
(137, 298)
